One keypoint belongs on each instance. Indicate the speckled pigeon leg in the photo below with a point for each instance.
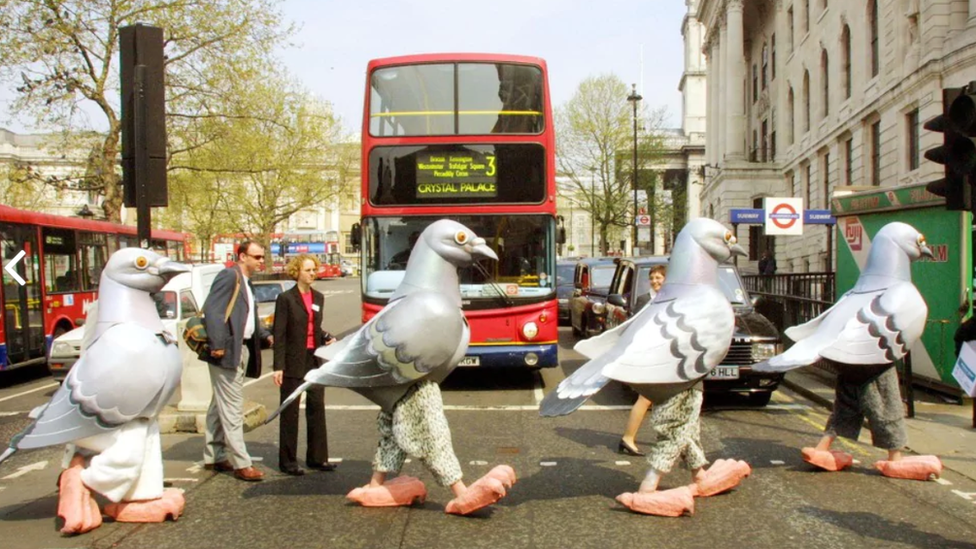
(722, 476)
(485, 491)
(169, 506)
(911, 467)
(75, 503)
(828, 460)
(667, 503)
(400, 491)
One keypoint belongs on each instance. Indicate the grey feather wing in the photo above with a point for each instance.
(408, 339)
(126, 374)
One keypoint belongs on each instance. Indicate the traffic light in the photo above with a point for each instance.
(957, 153)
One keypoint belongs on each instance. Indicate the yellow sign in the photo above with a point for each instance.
(462, 174)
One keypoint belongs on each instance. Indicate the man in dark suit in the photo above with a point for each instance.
(235, 344)
(297, 333)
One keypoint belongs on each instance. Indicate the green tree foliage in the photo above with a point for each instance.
(594, 133)
(62, 56)
(274, 152)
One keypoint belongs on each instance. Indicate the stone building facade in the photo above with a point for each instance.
(806, 98)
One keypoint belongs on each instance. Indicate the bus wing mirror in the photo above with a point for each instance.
(561, 235)
(356, 235)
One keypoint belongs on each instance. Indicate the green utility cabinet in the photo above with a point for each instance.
(944, 282)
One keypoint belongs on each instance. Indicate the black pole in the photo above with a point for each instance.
(830, 248)
(735, 232)
(909, 385)
(141, 159)
(634, 245)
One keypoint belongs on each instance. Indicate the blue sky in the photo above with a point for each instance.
(577, 38)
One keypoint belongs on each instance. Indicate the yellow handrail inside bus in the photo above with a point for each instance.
(445, 113)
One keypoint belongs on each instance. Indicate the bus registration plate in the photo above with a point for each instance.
(724, 372)
(473, 361)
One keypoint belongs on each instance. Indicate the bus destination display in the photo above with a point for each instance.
(456, 174)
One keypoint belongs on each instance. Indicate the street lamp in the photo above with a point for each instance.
(635, 98)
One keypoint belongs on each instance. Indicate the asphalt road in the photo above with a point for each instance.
(568, 472)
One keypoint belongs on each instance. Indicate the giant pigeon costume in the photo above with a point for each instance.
(662, 353)
(862, 335)
(397, 360)
(107, 406)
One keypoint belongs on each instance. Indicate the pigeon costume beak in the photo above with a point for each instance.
(737, 250)
(926, 251)
(167, 268)
(480, 248)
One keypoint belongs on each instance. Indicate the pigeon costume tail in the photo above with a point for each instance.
(575, 390)
(291, 398)
(9, 452)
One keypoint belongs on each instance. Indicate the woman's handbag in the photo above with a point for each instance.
(195, 333)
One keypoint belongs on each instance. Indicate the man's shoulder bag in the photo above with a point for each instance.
(195, 333)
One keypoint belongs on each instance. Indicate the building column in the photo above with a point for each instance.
(734, 82)
(709, 98)
(720, 84)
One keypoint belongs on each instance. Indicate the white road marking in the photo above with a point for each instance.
(621, 463)
(335, 460)
(18, 395)
(407, 460)
(964, 495)
(37, 466)
(179, 479)
(195, 468)
(777, 462)
(857, 462)
(943, 482)
(547, 463)
(9, 414)
(478, 462)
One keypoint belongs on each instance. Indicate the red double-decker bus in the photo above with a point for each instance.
(61, 265)
(467, 137)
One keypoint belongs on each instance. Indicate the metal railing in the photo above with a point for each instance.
(791, 299)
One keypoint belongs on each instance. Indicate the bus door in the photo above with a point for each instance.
(23, 321)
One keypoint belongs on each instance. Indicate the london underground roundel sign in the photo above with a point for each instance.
(784, 216)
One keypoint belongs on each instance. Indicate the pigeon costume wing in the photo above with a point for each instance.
(103, 390)
(396, 346)
(674, 341)
(883, 330)
(877, 321)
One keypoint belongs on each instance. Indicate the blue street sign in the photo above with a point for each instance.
(818, 217)
(748, 216)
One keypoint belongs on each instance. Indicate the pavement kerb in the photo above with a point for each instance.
(172, 420)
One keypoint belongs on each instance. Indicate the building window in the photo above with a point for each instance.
(873, 30)
(845, 51)
(911, 120)
(772, 60)
(825, 89)
(876, 153)
(810, 186)
(765, 65)
(764, 146)
(825, 177)
(755, 84)
(758, 241)
(791, 113)
(772, 146)
(806, 16)
(791, 178)
(754, 153)
(849, 161)
(806, 101)
(789, 21)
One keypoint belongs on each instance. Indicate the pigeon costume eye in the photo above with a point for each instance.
(920, 240)
(730, 238)
(461, 237)
(141, 262)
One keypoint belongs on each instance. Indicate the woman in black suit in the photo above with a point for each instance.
(297, 333)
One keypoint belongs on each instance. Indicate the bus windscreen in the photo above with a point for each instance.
(456, 99)
(457, 174)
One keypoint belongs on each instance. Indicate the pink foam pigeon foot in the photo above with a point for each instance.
(76, 506)
(911, 467)
(397, 492)
(169, 506)
(505, 474)
(665, 503)
(485, 491)
(827, 460)
(722, 476)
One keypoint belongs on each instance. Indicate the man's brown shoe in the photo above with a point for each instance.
(223, 466)
(249, 474)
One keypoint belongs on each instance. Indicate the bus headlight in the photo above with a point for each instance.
(531, 359)
(763, 351)
(530, 330)
(599, 308)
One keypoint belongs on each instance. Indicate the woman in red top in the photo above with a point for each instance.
(297, 333)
